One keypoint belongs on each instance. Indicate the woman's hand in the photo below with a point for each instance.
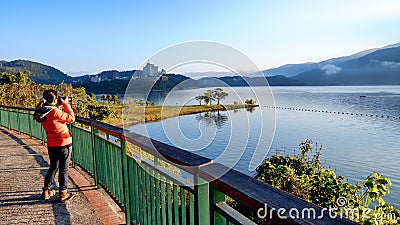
(64, 101)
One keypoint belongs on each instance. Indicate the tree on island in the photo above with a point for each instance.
(200, 98)
(110, 98)
(115, 99)
(220, 94)
(250, 101)
(92, 97)
(217, 94)
(104, 98)
(107, 98)
(209, 97)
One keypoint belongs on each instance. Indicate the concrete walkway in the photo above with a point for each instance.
(23, 165)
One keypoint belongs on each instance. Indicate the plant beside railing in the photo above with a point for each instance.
(307, 178)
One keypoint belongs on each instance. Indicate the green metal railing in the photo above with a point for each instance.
(155, 183)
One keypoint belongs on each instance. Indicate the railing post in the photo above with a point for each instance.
(18, 122)
(1, 110)
(125, 175)
(30, 119)
(93, 132)
(72, 153)
(201, 201)
(216, 196)
(9, 120)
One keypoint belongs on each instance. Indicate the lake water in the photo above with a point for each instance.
(353, 145)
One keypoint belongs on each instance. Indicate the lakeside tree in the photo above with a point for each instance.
(217, 94)
(19, 90)
(115, 99)
(200, 98)
(109, 98)
(209, 97)
(104, 98)
(250, 101)
(220, 94)
(92, 97)
(18, 95)
(20, 78)
(99, 112)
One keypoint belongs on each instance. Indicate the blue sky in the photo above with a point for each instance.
(98, 35)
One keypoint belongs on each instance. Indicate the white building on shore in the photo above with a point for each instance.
(95, 78)
(150, 70)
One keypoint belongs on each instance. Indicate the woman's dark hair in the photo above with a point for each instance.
(49, 96)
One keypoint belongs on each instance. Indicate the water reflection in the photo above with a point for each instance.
(217, 118)
(251, 109)
(353, 145)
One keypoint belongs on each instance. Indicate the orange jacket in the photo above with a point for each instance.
(55, 125)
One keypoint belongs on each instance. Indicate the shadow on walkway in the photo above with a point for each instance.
(32, 197)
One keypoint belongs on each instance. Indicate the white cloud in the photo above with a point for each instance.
(330, 69)
(390, 64)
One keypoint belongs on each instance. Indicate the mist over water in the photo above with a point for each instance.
(353, 145)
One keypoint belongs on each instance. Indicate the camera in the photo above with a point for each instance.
(63, 98)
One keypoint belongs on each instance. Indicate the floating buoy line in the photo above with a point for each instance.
(332, 112)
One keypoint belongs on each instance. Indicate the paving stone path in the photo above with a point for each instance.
(23, 165)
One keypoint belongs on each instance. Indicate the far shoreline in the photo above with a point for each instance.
(360, 85)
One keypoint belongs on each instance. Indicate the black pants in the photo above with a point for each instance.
(59, 160)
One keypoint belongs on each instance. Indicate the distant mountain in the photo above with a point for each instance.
(197, 75)
(113, 82)
(40, 73)
(105, 82)
(113, 74)
(381, 67)
(280, 80)
(77, 74)
(108, 75)
(257, 81)
(290, 70)
(240, 81)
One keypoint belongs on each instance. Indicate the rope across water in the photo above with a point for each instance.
(332, 112)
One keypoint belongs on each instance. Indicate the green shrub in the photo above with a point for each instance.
(307, 178)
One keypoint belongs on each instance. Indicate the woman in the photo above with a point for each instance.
(59, 141)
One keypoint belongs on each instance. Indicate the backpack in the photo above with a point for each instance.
(40, 114)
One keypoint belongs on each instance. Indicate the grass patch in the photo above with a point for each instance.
(137, 114)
